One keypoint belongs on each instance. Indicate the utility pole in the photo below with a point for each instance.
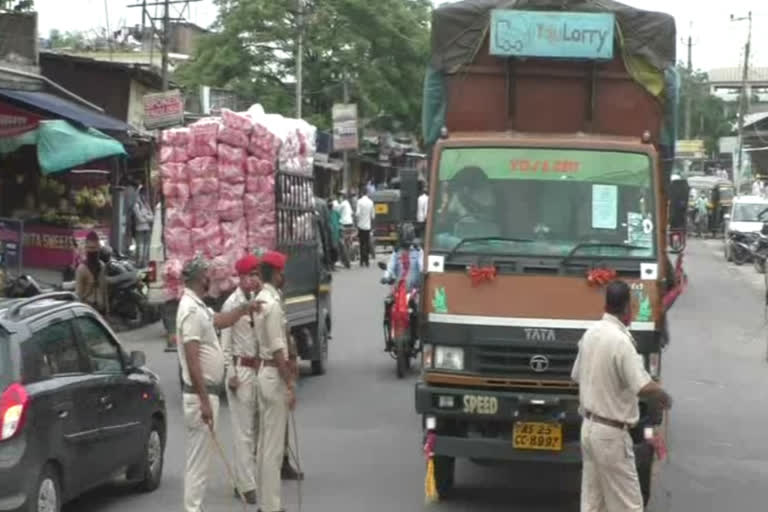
(165, 41)
(743, 101)
(165, 37)
(346, 152)
(299, 58)
(689, 95)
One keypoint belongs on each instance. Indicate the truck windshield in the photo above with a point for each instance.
(548, 199)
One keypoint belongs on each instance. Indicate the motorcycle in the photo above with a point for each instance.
(759, 250)
(400, 323)
(126, 291)
(739, 247)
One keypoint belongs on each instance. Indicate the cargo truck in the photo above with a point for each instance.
(552, 136)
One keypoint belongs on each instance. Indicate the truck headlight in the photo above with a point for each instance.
(449, 358)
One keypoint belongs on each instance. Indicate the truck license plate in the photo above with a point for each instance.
(538, 436)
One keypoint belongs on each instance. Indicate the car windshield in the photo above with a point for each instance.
(748, 212)
(533, 201)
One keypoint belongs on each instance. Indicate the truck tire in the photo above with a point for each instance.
(445, 468)
(319, 365)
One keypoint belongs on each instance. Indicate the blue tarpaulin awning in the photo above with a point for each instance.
(66, 109)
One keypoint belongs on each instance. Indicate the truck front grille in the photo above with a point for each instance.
(515, 361)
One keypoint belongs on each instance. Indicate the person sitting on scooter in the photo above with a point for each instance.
(91, 276)
(406, 261)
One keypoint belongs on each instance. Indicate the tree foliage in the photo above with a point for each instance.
(380, 48)
(709, 117)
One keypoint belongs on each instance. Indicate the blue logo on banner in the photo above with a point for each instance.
(575, 35)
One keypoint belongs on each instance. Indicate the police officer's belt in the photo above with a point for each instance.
(606, 421)
(246, 361)
(212, 389)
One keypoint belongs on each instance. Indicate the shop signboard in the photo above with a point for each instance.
(15, 121)
(163, 109)
(345, 126)
(11, 237)
(55, 247)
(573, 35)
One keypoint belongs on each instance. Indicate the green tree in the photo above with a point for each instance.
(379, 48)
(709, 117)
(70, 40)
(17, 5)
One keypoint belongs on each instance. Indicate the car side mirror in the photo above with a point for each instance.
(764, 230)
(138, 359)
(381, 265)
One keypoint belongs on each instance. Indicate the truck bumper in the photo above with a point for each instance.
(488, 435)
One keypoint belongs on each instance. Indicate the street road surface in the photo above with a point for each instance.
(360, 439)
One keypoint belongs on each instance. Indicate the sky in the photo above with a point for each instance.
(717, 42)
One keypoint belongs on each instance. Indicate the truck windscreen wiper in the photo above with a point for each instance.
(586, 245)
(485, 239)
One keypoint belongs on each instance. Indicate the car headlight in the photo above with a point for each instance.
(449, 358)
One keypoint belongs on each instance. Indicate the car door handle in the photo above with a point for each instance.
(63, 413)
(106, 402)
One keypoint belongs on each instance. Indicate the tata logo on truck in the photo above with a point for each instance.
(533, 334)
(552, 34)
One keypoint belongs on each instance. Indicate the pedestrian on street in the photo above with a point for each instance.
(702, 215)
(611, 375)
(277, 378)
(142, 218)
(422, 207)
(240, 346)
(365, 214)
(345, 211)
(202, 369)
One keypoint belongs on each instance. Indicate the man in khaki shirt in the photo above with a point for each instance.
(276, 382)
(611, 376)
(202, 368)
(242, 360)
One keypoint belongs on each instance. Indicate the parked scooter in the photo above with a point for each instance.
(739, 247)
(126, 291)
(400, 323)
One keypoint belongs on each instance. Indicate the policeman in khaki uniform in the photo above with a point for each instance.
(241, 355)
(276, 382)
(202, 365)
(611, 376)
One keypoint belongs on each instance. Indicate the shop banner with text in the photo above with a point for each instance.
(15, 121)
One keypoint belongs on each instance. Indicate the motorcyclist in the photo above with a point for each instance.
(406, 261)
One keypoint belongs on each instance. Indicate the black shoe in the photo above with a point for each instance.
(288, 473)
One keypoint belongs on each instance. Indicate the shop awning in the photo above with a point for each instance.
(62, 146)
(61, 107)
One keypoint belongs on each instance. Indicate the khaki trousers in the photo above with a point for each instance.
(609, 481)
(273, 410)
(244, 410)
(199, 446)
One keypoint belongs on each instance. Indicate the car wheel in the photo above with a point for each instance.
(46, 496)
(149, 471)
